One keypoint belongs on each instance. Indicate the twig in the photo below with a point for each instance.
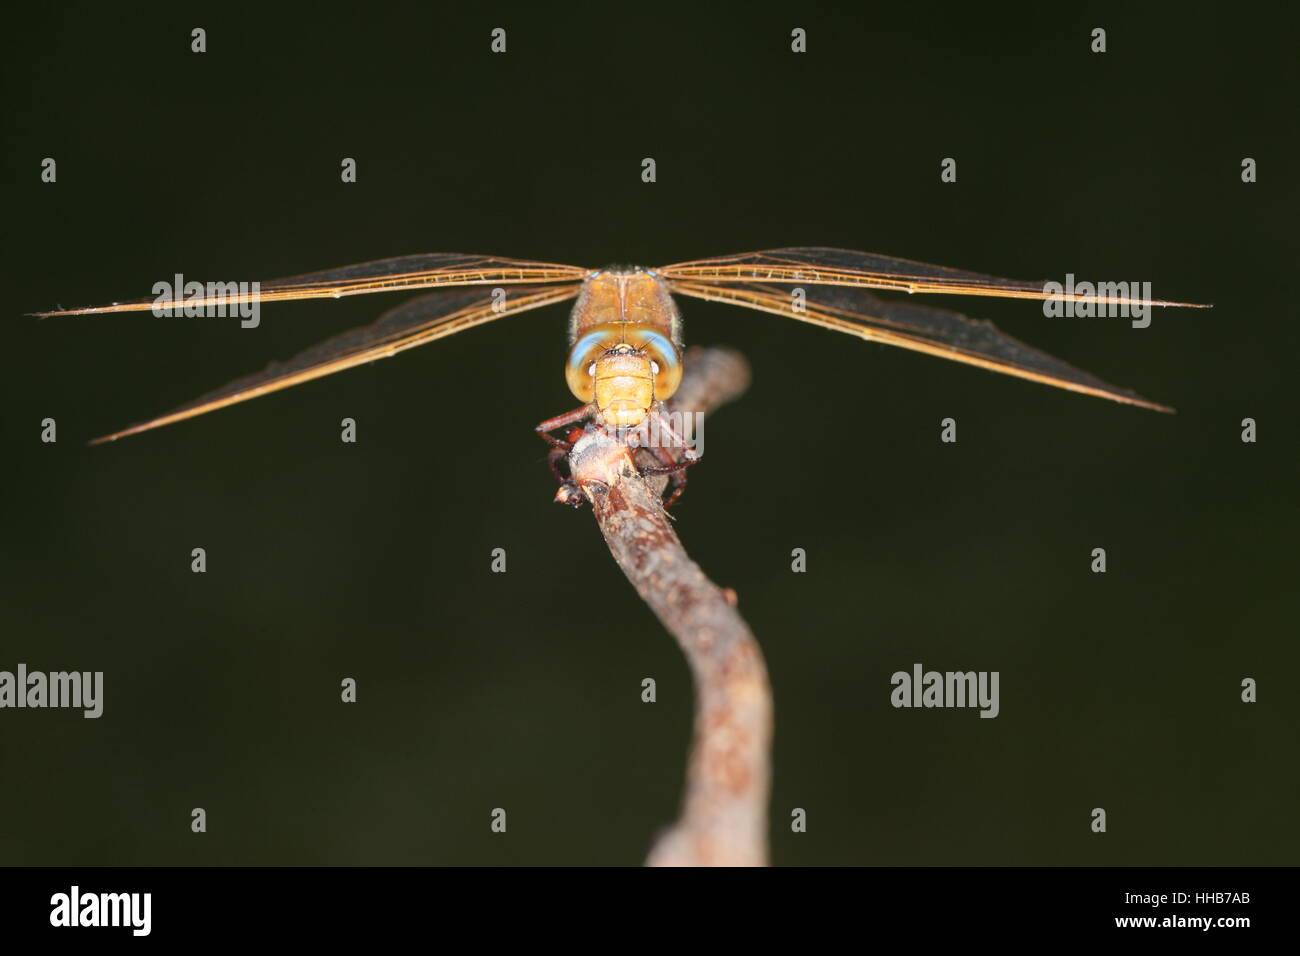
(724, 813)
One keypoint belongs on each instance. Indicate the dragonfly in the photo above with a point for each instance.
(625, 329)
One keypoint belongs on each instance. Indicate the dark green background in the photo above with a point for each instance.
(521, 691)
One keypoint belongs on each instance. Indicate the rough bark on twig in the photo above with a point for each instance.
(724, 813)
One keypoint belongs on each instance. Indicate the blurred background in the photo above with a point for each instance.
(522, 690)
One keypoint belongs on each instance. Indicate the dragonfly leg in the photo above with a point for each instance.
(676, 470)
(545, 428)
(553, 459)
(560, 448)
(668, 437)
(679, 487)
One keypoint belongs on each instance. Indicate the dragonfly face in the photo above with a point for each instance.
(624, 344)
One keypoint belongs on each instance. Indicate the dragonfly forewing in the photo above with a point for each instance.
(815, 265)
(435, 270)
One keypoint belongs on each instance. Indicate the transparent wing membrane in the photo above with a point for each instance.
(931, 331)
(418, 322)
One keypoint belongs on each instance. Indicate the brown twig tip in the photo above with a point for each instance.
(724, 813)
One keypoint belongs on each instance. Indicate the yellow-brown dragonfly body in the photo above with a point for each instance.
(625, 341)
(625, 332)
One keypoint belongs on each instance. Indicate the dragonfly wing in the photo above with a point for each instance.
(936, 332)
(844, 267)
(418, 322)
(436, 270)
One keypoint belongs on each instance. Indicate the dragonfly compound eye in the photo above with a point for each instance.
(665, 363)
(584, 356)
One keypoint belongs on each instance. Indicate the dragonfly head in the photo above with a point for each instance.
(623, 371)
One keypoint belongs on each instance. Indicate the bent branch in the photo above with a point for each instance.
(724, 813)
